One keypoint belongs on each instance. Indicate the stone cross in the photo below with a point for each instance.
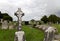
(19, 15)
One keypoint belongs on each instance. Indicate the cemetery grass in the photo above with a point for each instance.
(57, 26)
(31, 34)
(7, 35)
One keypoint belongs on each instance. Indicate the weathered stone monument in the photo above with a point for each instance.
(42, 27)
(50, 34)
(11, 25)
(19, 35)
(1, 20)
(4, 24)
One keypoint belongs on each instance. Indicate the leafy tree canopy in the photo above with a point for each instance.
(5, 16)
(44, 19)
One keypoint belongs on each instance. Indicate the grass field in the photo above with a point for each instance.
(57, 26)
(31, 34)
(7, 35)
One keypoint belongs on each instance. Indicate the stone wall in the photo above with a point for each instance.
(7, 25)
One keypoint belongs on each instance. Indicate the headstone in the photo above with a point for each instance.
(57, 36)
(42, 27)
(11, 25)
(20, 36)
(1, 20)
(37, 26)
(49, 34)
(5, 24)
(15, 25)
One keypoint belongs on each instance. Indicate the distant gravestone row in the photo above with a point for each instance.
(6, 25)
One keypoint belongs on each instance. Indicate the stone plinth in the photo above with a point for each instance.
(20, 36)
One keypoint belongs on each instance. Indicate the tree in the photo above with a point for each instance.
(53, 18)
(44, 19)
(0, 15)
(5, 16)
(33, 22)
(58, 19)
(26, 22)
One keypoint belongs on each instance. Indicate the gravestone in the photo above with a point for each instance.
(11, 25)
(5, 24)
(50, 34)
(57, 37)
(42, 27)
(19, 35)
(15, 25)
(1, 20)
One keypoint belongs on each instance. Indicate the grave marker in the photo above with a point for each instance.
(19, 35)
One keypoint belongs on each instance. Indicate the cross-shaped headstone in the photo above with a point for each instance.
(19, 15)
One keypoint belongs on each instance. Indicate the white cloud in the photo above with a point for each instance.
(33, 9)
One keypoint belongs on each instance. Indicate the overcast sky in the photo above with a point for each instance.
(33, 9)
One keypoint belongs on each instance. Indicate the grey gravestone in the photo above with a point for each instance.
(19, 35)
(57, 37)
(4, 24)
(42, 27)
(1, 20)
(11, 25)
(49, 34)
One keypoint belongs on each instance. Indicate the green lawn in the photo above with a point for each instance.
(7, 35)
(31, 34)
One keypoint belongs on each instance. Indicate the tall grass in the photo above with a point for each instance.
(57, 26)
(7, 35)
(31, 34)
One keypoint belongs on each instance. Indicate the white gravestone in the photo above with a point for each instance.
(20, 36)
(1, 20)
(4, 24)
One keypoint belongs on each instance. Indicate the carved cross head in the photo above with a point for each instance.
(19, 13)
